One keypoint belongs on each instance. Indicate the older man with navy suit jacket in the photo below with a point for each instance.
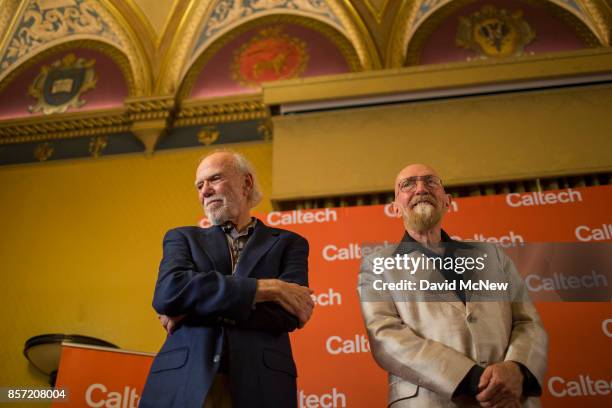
(228, 295)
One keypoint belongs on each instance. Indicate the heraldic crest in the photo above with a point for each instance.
(60, 85)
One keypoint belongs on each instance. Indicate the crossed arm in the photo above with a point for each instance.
(183, 293)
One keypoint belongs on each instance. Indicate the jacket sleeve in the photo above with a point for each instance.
(270, 316)
(401, 351)
(181, 289)
(528, 344)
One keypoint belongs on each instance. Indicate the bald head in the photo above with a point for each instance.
(420, 199)
(414, 170)
(236, 163)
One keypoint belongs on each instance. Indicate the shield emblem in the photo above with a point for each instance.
(60, 85)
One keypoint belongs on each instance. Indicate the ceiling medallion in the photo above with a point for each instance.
(43, 151)
(270, 55)
(96, 145)
(494, 33)
(60, 85)
(208, 136)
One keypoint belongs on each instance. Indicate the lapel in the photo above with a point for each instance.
(262, 240)
(411, 247)
(215, 246)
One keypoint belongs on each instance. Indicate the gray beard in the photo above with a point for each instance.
(423, 218)
(218, 217)
(220, 220)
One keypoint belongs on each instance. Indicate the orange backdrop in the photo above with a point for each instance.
(334, 365)
(332, 352)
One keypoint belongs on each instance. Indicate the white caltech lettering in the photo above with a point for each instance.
(334, 253)
(353, 250)
(332, 399)
(302, 217)
(337, 345)
(580, 387)
(606, 326)
(543, 198)
(585, 233)
(508, 240)
(559, 281)
(329, 298)
(98, 396)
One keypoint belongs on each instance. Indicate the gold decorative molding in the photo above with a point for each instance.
(68, 125)
(133, 48)
(183, 40)
(97, 144)
(225, 16)
(141, 27)
(379, 11)
(221, 110)
(208, 135)
(593, 61)
(396, 49)
(43, 151)
(150, 118)
(600, 12)
(149, 133)
(149, 108)
(10, 10)
(358, 33)
(265, 128)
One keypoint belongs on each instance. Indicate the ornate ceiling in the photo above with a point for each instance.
(176, 60)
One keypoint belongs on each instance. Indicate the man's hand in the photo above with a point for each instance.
(501, 385)
(292, 297)
(170, 323)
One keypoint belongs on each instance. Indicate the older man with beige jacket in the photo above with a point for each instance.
(449, 348)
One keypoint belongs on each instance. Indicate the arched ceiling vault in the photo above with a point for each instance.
(162, 40)
(206, 22)
(595, 15)
(40, 25)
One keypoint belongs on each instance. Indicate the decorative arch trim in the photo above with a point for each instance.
(57, 47)
(182, 54)
(416, 15)
(30, 36)
(199, 61)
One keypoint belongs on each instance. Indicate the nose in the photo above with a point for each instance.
(206, 191)
(421, 188)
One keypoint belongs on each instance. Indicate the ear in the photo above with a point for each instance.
(448, 201)
(395, 210)
(248, 184)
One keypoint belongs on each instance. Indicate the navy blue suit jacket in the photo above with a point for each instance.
(195, 279)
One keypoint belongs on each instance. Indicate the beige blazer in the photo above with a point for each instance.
(428, 345)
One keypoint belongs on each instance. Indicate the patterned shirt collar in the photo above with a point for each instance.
(230, 229)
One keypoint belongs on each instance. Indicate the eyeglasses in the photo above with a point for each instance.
(409, 184)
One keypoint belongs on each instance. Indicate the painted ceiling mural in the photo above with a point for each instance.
(84, 68)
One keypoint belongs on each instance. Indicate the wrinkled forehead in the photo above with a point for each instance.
(213, 164)
(415, 170)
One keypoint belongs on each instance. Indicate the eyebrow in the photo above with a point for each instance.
(199, 180)
(424, 175)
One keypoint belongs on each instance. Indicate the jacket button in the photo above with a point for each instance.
(471, 318)
(216, 358)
